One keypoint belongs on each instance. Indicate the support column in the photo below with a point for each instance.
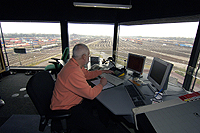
(193, 61)
(64, 35)
(115, 40)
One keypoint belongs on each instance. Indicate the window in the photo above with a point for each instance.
(31, 44)
(98, 37)
(195, 86)
(172, 42)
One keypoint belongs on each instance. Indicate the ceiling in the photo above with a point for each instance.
(142, 11)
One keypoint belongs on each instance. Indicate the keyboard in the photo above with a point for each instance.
(112, 79)
(135, 95)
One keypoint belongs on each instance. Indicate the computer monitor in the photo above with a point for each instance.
(159, 74)
(94, 60)
(136, 63)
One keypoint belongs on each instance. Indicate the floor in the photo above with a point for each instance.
(18, 103)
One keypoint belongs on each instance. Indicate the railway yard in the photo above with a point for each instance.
(168, 50)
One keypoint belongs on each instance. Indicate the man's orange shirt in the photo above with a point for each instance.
(71, 86)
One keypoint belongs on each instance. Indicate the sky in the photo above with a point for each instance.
(30, 27)
(149, 30)
(162, 30)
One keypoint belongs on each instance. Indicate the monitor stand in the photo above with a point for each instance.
(165, 85)
(136, 79)
(151, 86)
(136, 75)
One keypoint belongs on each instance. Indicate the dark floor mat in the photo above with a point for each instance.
(22, 124)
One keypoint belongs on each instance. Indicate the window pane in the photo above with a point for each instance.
(31, 44)
(98, 37)
(195, 86)
(171, 42)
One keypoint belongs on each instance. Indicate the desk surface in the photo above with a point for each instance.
(117, 99)
(184, 118)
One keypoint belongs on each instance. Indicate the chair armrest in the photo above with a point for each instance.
(61, 62)
(55, 59)
(53, 62)
(59, 114)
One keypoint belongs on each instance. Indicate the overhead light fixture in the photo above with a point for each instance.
(102, 5)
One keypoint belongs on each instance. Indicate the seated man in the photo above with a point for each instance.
(72, 92)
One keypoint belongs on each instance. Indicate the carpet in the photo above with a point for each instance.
(23, 124)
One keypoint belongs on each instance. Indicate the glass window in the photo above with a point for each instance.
(31, 44)
(171, 42)
(195, 86)
(98, 37)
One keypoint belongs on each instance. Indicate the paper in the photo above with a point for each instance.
(108, 85)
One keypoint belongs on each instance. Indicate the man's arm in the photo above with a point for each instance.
(77, 84)
(107, 71)
(93, 74)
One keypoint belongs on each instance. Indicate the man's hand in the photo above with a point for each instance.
(107, 71)
(103, 81)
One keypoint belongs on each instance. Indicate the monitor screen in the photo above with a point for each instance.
(136, 63)
(94, 60)
(159, 73)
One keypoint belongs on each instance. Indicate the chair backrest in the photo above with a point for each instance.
(40, 89)
(65, 54)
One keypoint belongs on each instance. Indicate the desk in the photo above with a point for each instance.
(118, 101)
(184, 118)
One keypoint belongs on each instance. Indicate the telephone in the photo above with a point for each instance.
(118, 72)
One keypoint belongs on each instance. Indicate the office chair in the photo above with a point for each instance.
(57, 64)
(40, 89)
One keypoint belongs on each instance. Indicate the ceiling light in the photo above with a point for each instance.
(102, 5)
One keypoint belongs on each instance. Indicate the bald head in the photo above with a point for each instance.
(79, 50)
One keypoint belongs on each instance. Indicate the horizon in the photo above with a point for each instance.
(101, 35)
(184, 29)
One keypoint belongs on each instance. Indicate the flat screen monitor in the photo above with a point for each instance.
(94, 60)
(136, 63)
(159, 74)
